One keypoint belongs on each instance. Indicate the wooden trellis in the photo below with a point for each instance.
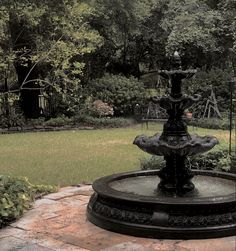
(154, 111)
(211, 107)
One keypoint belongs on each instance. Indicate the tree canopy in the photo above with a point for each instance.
(42, 40)
(66, 43)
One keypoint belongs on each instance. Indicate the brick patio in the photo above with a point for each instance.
(58, 222)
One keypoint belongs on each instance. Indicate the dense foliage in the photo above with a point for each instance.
(122, 93)
(17, 195)
(217, 160)
(64, 46)
(212, 123)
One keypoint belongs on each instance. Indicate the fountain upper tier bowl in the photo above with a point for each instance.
(192, 145)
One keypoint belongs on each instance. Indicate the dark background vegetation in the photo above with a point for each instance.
(76, 52)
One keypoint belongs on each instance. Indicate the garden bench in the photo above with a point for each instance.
(144, 120)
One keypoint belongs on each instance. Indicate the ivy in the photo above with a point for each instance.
(17, 195)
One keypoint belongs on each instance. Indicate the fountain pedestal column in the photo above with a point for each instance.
(175, 176)
(175, 143)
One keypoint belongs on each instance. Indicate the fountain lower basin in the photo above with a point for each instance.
(130, 203)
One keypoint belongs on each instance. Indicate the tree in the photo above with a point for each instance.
(45, 38)
(193, 28)
(121, 23)
(228, 35)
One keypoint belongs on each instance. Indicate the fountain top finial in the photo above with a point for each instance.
(176, 54)
(177, 60)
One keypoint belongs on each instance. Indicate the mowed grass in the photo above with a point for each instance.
(72, 157)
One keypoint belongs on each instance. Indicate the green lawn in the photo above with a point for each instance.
(72, 157)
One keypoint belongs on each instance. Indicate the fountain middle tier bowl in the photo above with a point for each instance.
(180, 145)
(130, 203)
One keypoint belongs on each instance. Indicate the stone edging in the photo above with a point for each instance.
(42, 129)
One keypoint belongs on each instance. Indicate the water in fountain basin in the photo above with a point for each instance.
(205, 186)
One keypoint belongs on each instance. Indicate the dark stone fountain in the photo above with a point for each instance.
(174, 202)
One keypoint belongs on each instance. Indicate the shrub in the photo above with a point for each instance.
(59, 121)
(120, 92)
(215, 160)
(104, 122)
(17, 195)
(98, 108)
(152, 162)
(212, 123)
(63, 102)
(35, 122)
(102, 109)
(13, 120)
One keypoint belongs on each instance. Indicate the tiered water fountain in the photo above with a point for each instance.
(174, 202)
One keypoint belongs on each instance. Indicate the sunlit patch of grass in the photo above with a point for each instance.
(72, 157)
